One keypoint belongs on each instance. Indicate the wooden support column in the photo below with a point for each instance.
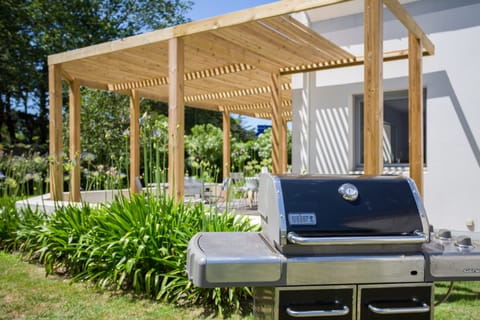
(134, 140)
(277, 123)
(226, 145)
(176, 118)
(55, 132)
(415, 110)
(284, 144)
(373, 88)
(74, 131)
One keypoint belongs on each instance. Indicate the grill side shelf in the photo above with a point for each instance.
(230, 259)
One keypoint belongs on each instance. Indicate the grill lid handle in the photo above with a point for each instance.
(417, 238)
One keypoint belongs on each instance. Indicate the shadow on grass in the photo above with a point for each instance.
(462, 291)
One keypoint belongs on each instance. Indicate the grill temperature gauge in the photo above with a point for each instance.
(348, 192)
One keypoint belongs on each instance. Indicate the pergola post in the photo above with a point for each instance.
(74, 140)
(226, 144)
(134, 140)
(373, 90)
(176, 118)
(276, 124)
(284, 144)
(55, 131)
(415, 110)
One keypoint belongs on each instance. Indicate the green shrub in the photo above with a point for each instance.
(136, 244)
(9, 221)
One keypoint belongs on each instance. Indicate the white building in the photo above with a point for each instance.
(327, 106)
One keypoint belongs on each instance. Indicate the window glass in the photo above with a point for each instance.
(395, 128)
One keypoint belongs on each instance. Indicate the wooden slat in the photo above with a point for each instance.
(282, 43)
(134, 140)
(415, 111)
(226, 144)
(267, 43)
(244, 39)
(373, 87)
(399, 11)
(217, 46)
(233, 19)
(74, 141)
(189, 76)
(308, 37)
(55, 132)
(258, 107)
(287, 115)
(176, 119)
(231, 94)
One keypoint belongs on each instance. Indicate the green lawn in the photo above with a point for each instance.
(463, 304)
(25, 293)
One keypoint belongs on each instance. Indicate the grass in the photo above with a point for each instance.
(25, 293)
(463, 304)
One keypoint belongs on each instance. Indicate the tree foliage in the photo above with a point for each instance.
(30, 30)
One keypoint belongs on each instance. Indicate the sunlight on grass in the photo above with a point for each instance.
(25, 293)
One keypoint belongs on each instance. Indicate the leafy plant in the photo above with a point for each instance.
(136, 244)
(9, 222)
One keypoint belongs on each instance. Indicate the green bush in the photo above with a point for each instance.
(136, 244)
(9, 221)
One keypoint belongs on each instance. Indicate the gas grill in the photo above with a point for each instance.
(336, 247)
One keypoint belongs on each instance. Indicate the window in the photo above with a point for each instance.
(395, 128)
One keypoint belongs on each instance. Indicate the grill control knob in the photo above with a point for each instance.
(464, 242)
(444, 234)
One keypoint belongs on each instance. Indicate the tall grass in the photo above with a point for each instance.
(136, 244)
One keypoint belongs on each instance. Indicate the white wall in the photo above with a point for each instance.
(323, 105)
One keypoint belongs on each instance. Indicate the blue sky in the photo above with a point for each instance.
(203, 9)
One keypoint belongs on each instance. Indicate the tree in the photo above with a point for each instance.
(16, 67)
(30, 30)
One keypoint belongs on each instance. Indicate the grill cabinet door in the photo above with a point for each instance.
(317, 303)
(398, 302)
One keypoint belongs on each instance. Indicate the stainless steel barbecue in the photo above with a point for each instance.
(336, 247)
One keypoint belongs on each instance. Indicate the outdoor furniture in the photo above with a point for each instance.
(251, 186)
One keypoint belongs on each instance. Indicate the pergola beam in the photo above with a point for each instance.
(406, 19)
(357, 61)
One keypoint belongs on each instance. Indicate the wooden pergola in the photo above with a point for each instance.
(236, 63)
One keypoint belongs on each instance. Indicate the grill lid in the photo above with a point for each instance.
(350, 206)
(370, 212)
